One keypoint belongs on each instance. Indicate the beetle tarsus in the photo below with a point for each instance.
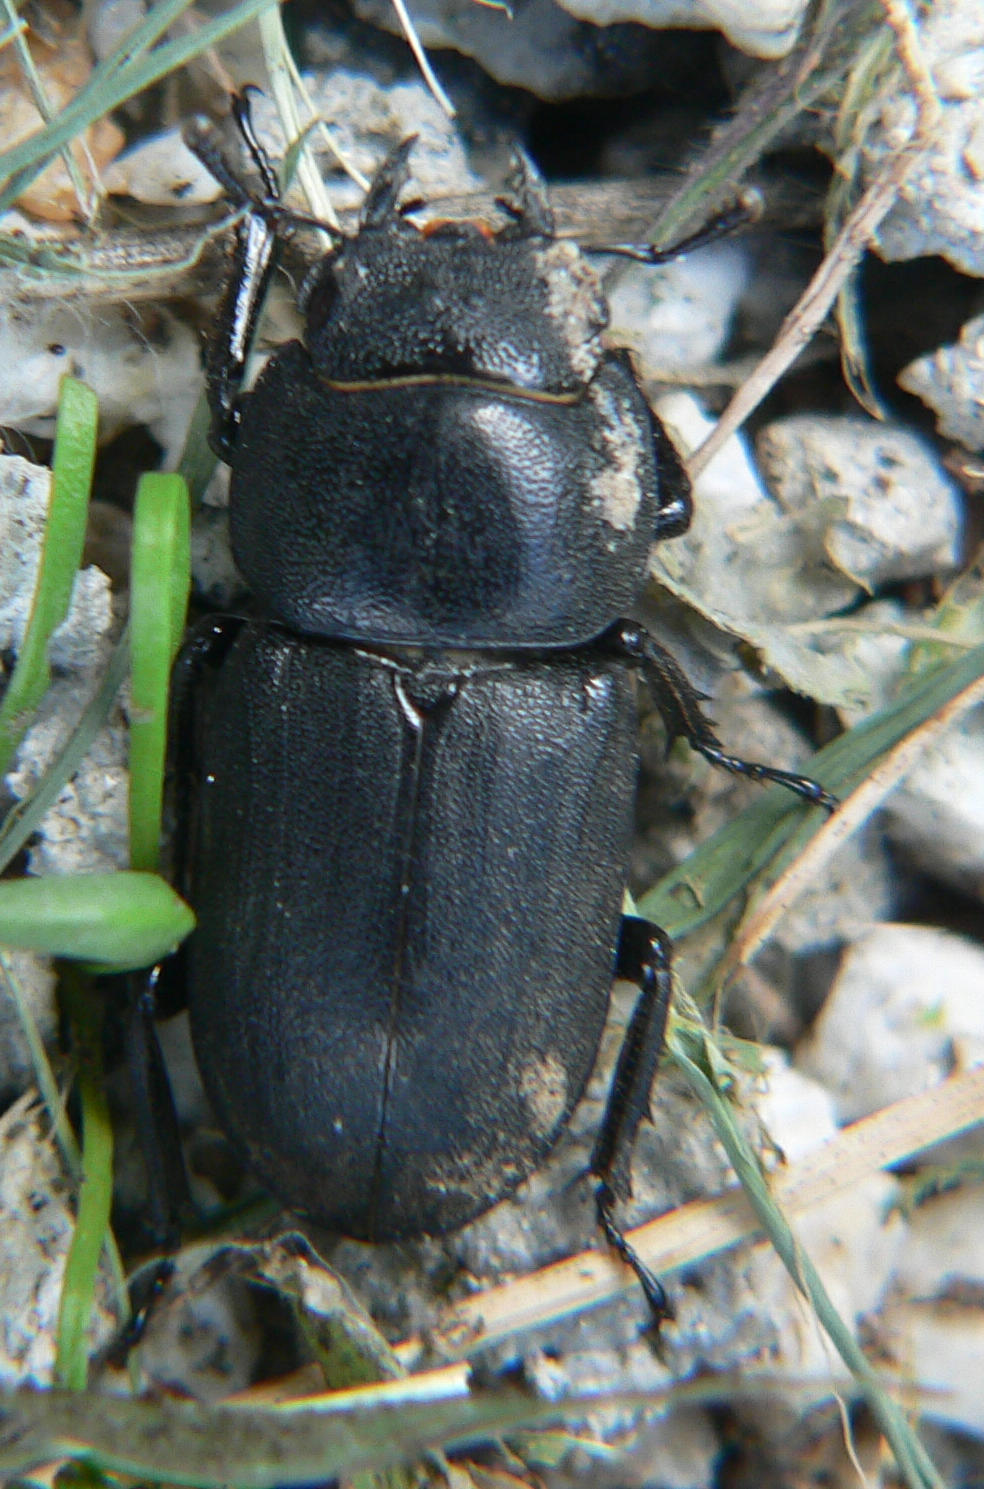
(202, 139)
(679, 703)
(145, 1288)
(804, 786)
(644, 957)
(659, 1304)
(742, 212)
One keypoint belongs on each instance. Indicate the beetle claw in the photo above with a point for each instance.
(527, 202)
(381, 199)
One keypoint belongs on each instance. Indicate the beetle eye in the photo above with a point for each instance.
(318, 293)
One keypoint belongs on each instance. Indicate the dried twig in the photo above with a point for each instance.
(858, 231)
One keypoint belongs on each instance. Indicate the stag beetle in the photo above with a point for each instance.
(416, 771)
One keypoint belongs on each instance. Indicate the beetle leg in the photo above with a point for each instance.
(745, 210)
(254, 258)
(644, 957)
(145, 1288)
(679, 703)
(160, 993)
(168, 1192)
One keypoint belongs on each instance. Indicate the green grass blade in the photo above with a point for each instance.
(119, 921)
(71, 480)
(198, 460)
(257, 1447)
(61, 1128)
(913, 1460)
(160, 582)
(95, 1194)
(24, 160)
(43, 1074)
(134, 66)
(32, 76)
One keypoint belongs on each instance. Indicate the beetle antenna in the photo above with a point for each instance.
(742, 213)
(202, 139)
(242, 112)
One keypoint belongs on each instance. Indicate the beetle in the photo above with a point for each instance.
(416, 767)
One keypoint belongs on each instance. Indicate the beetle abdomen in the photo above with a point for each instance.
(398, 1042)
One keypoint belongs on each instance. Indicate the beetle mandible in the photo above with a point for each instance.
(417, 770)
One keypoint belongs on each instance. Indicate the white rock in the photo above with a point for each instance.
(938, 1346)
(796, 1112)
(937, 814)
(853, 1241)
(537, 45)
(35, 979)
(161, 171)
(731, 471)
(205, 1336)
(906, 1008)
(950, 381)
(87, 830)
(110, 22)
(932, 1327)
(748, 1306)
(944, 1250)
(88, 827)
(79, 642)
(365, 120)
(765, 30)
(678, 1450)
(677, 317)
(761, 572)
(940, 209)
(892, 511)
(143, 365)
(858, 883)
(746, 1310)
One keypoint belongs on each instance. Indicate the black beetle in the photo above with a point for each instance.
(416, 772)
